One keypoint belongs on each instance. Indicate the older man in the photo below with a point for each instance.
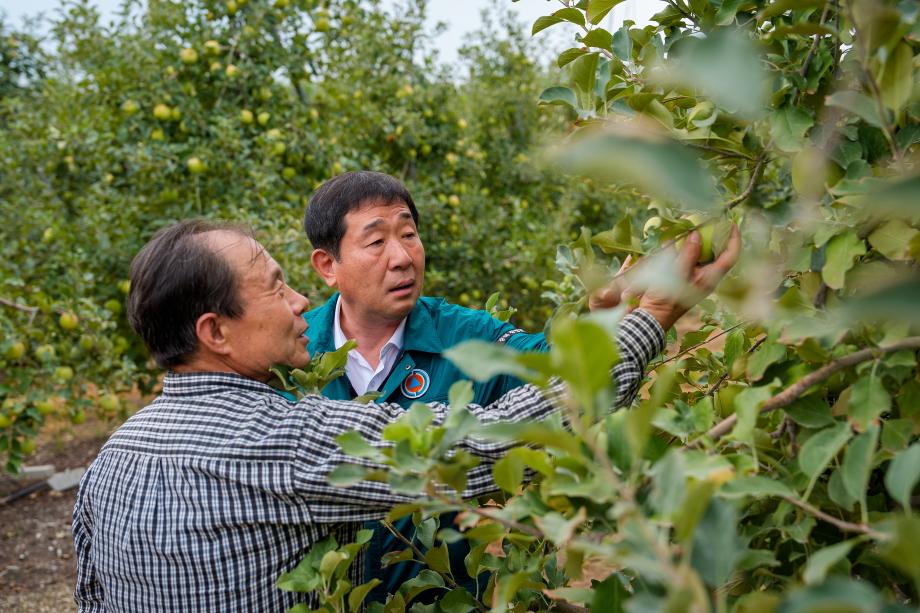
(202, 498)
(364, 230)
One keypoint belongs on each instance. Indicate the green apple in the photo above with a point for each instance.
(63, 373)
(321, 24)
(453, 200)
(653, 223)
(109, 403)
(246, 116)
(279, 148)
(15, 351)
(5, 421)
(157, 134)
(129, 107)
(188, 56)
(288, 173)
(44, 353)
(27, 446)
(195, 165)
(69, 321)
(231, 71)
(78, 418)
(813, 172)
(162, 112)
(124, 286)
(211, 47)
(86, 342)
(45, 407)
(264, 118)
(231, 7)
(113, 306)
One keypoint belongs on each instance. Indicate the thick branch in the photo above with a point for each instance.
(791, 393)
(19, 307)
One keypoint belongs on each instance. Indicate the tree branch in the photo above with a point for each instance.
(843, 526)
(717, 384)
(755, 177)
(19, 307)
(791, 393)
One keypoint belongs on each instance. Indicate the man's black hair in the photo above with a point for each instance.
(175, 279)
(324, 219)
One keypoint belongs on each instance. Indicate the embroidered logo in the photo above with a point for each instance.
(416, 384)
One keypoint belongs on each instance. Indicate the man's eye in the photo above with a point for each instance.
(409, 235)
(376, 243)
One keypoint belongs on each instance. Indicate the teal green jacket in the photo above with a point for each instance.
(433, 326)
(422, 374)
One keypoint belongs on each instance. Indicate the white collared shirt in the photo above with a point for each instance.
(362, 377)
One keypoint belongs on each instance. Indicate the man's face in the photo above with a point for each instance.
(271, 329)
(381, 265)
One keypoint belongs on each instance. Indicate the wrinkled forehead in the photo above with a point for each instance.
(375, 209)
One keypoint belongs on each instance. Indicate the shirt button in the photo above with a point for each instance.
(408, 366)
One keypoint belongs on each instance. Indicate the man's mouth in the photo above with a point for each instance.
(403, 287)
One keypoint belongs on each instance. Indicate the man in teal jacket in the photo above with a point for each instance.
(364, 230)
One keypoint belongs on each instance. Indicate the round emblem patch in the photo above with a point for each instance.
(416, 384)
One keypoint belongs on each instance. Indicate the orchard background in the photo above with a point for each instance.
(770, 466)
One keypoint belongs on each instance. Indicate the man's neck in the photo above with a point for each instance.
(371, 334)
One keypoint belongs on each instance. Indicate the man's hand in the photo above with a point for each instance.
(701, 280)
(614, 292)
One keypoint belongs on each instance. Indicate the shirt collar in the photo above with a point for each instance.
(203, 383)
(396, 341)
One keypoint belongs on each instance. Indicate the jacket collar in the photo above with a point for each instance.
(420, 332)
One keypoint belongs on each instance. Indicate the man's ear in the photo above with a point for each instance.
(211, 334)
(324, 264)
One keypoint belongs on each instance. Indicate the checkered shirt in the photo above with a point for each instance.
(204, 497)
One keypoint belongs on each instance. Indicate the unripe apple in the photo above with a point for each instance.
(231, 7)
(44, 353)
(713, 237)
(264, 118)
(282, 4)
(321, 25)
(45, 407)
(113, 306)
(86, 342)
(27, 446)
(176, 115)
(109, 403)
(48, 235)
(63, 373)
(453, 200)
(69, 321)
(157, 134)
(288, 173)
(15, 351)
(265, 94)
(124, 286)
(162, 112)
(246, 116)
(78, 418)
(215, 67)
(279, 148)
(188, 56)
(813, 172)
(195, 166)
(129, 107)
(231, 71)
(461, 123)
(211, 47)
(653, 223)
(273, 133)
(5, 421)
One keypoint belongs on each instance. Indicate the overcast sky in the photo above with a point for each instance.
(462, 16)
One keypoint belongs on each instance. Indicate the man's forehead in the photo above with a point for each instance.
(241, 251)
(371, 210)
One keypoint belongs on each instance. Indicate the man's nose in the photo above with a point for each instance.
(299, 302)
(399, 255)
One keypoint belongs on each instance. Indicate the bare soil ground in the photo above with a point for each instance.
(37, 567)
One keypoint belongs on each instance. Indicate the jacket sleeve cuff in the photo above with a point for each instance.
(641, 336)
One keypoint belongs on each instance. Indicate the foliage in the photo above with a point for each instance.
(771, 464)
(237, 110)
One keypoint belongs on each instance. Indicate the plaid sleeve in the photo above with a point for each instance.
(640, 338)
(88, 592)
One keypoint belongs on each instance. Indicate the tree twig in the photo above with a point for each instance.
(717, 384)
(700, 344)
(755, 177)
(843, 526)
(791, 393)
(19, 307)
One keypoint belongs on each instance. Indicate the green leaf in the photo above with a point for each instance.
(508, 473)
(481, 360)
(868, 400)
(622, 44)
(345, 475)
(810, 411)
(568, 14)
(609, 595)
(769, 353)
(756, 486)
(820, 449)
(857, 463)
(902, 551)
(457, 600)
(734, 347)
(662, 168)
(584, 74)
(425, 580)
(359, 593)
(903, 474)
(716, 545)
(460, 394)
(726, 13)
(892, 239)
(669, 483)
(582, 355)
(821, 561)
(788, 126)
(837, 594)
(563, 96)
(747, 407)
(859, 104)
(353, 444)
(841, 252)
(597, 9)
(568, 56)
(558, 528)
(896, 83)
(599, 38)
